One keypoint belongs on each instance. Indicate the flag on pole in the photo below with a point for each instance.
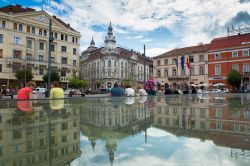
(188, 65)
(182, 61)
(176, 61)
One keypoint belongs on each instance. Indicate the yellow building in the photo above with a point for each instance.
(169, 67)
(24, 39)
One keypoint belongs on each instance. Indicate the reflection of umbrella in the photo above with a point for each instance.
(219, 84)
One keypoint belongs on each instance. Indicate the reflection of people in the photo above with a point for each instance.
(117, 101)
(26, 92)
(116, 91)
(25, 105)
(56, 104)
(142, 99)
(56, 92)
(129, 100)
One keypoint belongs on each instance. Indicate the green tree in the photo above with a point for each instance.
(20, 75)
(234, 78)
(76, 82)
(54, 76)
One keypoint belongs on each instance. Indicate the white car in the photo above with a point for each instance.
(39, 91)
(225, 90)
(215, 91)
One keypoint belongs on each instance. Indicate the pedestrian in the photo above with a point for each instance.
(129, 91)
(26, 92)
(141, 91)
(56, 92)
(150, 86)
(117, 91)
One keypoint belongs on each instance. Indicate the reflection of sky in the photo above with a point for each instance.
(161, 149)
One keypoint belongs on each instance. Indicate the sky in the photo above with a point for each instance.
(160, 25)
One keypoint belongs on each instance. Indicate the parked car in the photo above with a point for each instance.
(225, 90)
(215, 91)
(39, 91)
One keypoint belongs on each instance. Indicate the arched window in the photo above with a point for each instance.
(109, 63)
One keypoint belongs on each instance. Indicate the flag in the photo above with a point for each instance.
(188, 66)
(182, 61)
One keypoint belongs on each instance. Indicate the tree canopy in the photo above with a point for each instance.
(54, 76)
(76, 82)
(20, 75)
(234, 78)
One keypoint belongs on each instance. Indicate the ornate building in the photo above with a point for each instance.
(109, 64)
(24, 38)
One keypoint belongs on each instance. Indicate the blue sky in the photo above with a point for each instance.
(161, 25)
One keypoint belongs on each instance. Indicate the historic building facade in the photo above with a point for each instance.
(227, 53)
(109, 64)
(180, 65)
(24, 38)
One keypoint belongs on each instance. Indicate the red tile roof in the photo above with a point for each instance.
(230, 42)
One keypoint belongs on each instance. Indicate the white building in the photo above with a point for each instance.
(109, 64)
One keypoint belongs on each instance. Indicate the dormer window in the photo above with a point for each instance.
(217, 56)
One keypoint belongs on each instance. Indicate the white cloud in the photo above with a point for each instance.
(138, 37)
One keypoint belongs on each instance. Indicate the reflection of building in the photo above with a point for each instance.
(39, 137)
(225, 121)
(227, 53)
(112, 121)
(24, 37)
(110, 64)
(166, 70)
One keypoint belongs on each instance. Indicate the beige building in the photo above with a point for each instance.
(166, 69)
(24, 38)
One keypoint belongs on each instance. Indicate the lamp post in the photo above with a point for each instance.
(49, 61)
(144, 65)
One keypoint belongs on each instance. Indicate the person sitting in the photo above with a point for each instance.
(129, 91)
(117, 91)
(56, 92)
(168, 90)
(150, 86)
(141, 91)
(26, 92)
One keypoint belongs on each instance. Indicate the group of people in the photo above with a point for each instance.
(26, 93)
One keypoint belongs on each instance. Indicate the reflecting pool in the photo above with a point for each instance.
(149, 131)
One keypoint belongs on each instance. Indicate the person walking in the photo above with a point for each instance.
(150, 86)
(56, 92)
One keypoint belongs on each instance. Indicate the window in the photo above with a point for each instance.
(1, 67)
(29, 56)
(217, 56)
(217, 70)
(52, 59)
(191, 58)
(41, 71)
(44, 33)
(40, 32)
(109, 73)
(64, 138)
(158, 62)
(245, 53)
(20, 27)
(41, 142)
(74, 51)
(235, 67)
(75, 135)
(17, 54)
(165, 72)
(73, 39)
(15, 67)
(66, 38)
(192, 71)
(109, 63)
(158, 73)
(17, 40)
(62, 37)
(17, 134)
(1, 53)
(33, 30)
(234, 54)
(201, 58)
(64, 60)
(245, 68)
(15, 26)
(74, 63)
(28, 29)
(218, 112)
(63, 73)
(16, 148)
(1, 38)
(41, 46)
(237, 127)
(3, 24)
(64, 49)
(41, 58)
(166, 61)
(201, 70)
(64, 126)
(76, 40)
(52, 48)
(173, 61)
(55, 35)
(29, 43)
(174, 72)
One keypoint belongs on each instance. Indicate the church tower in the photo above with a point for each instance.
(110, 42)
